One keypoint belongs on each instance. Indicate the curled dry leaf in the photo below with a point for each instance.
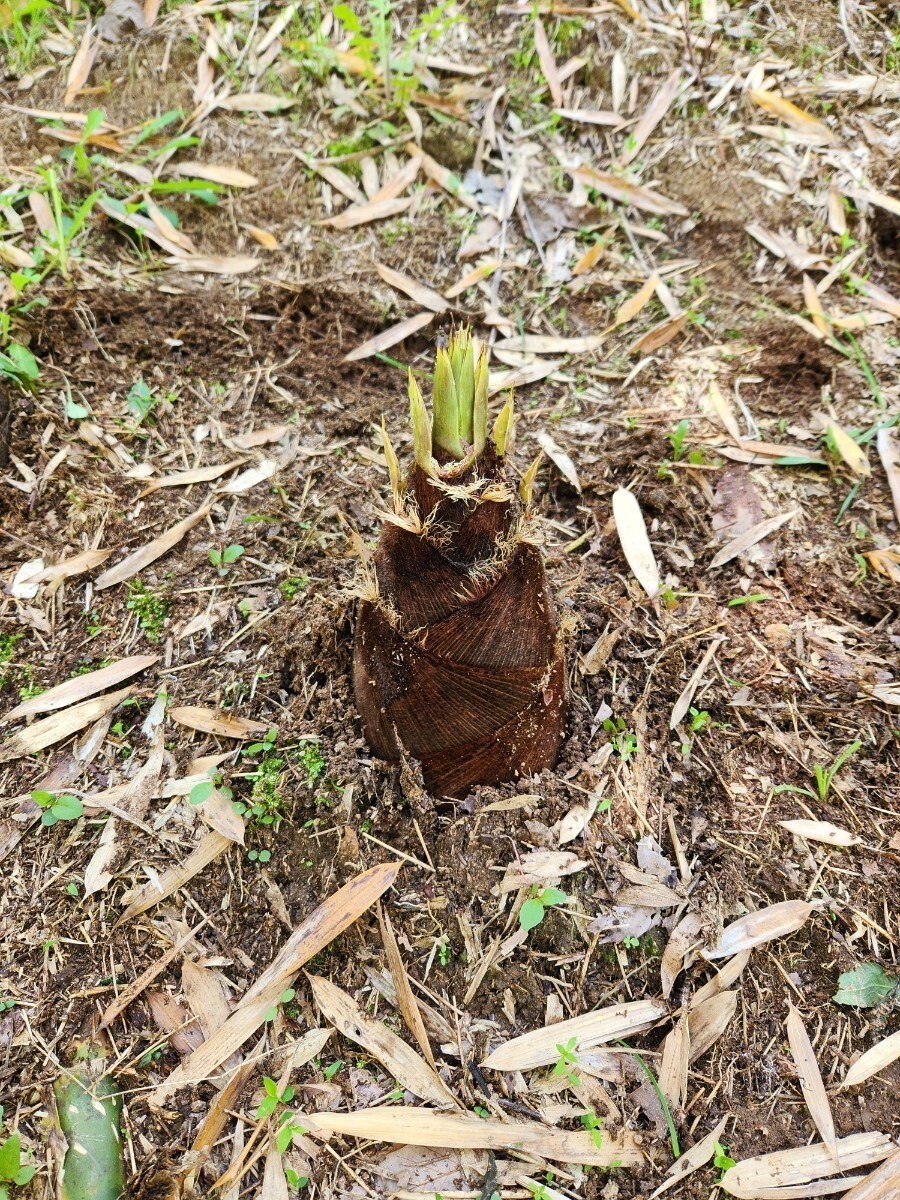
(426, 296)
(68, 567)
(756, 928)
(215, 173)
(82, 686)
(143, 557)
(821, 831)
(406, 1066)
(213, 720)
(635, 543)
(750, 537)
(788, 1174)
(538, 1048)
(559, 457)
(684, 938)
(811, 1080)
(59, 726)
(169, 881)
(421, 1127)
(876, 1059)
(785, 111)
(692, 1160)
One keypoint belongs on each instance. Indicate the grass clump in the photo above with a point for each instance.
(152, 608)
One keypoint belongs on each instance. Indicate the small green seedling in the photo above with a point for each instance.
(699, 720)
(259, 856)
(140, 400)
(624, 743)
(594, 1125)
(57, 808)
(13, 1172)
(722, 1161)
(202, 791)
(294, 1181)
(676, 437)
(534, 909)
(567, 1062)
(223, 559)
(824, 776)
(285, 998)
(332, 1069)
(273, 1098)
(753, 598)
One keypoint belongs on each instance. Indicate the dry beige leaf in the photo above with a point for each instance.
(692, 1160)
(793, 1174)
(648, 895)
(42, 215)
(250, 478)
(406, 1066)
(213, 720)
(659, 336)
(134, 803)
(656, 110)
(673, 1070)
(879, 199)
(165, 226)
(338, 180)
(476, 275)
(195, 475)
(143, 557)
(537, 343)
(15, 256)
(723, 410)
(426, 296)
(143, 225)
(628, 193)
(420, 1127)
(683, 703)
(882, 1184)
(750, 537)
(559, 458)
(390, 337)
(218, 813)
(683, 939)
(131, 993)
(322, 926)
(590, 258)
(274, 1182)
(538, 1048)
(404, 177)
(215, 173)
(67, 567)
(210, 846)
(215, 264)
(793, 116)
(81, 65)
(798, 256)
(257, 102)
(61, 725)
(206, 996)
(757, 928)
(591, 116)
(406, 1000)
(821, 831)
(722, 980)
(811, 1080)
(814, 307)
(82, 686)
(708, 1020)
(262, 237)
(850, 452)
(876, 1059)
(634, 540)
(633, 305)
(372, 210)
(258, 437)
(549, 69)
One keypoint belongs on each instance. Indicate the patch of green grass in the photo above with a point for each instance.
(8, 643)
(292, 585)
(152, 608)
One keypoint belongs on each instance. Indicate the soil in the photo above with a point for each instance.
(790, 685)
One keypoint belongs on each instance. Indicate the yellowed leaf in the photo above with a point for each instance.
(426, 296)
(811, 1080)
(256, 102)
(401, 181)
(539, 343)
(684, 938)
(591, 116)
(851, 453)
(885, 562)
(791, 115)
(723, 410)
(82, 686)
(43, 217)
(372, 210)
(215, 173)
(15, 256)
(262, 237)
(708, 1020)
(630, 308)
(131, 993)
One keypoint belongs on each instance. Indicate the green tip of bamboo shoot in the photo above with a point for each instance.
(526, 483)
(421, 428)
(480, 403)
(89, 1110)
(501, 434)
(445, 422)
(462, 362)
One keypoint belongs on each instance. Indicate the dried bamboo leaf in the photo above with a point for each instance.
(218, 813)
(250, 478)
(215, 173)
(407, 1067)
(421, 1127)
(790, 1171)
(257, 437)
(205, 995)
(169, 881)
(390, 337)
(549, 69)
(59, 726)
(401, 181)
(257, 102)
(723, 410)
(723, 979)
(539, 343)
(882, 1184)
(683, 703)
(213, 720)
(673, 1070)
(406, 999)
(81, 687)
(372, 210)
(650, 895)
(145, 555)
(876, 1059)
(708, 1020)
(756, 928)
(628, 193)
(591, 116)
(750, 537)
(425, 296)
(811, 1080)
(656, 110)
(684, 937)
(81, 65)
(635, 543)
(131, 993)
(325, 923)
(630, 308)
(692, 1160)
(560, 458)
(215, 264)
(274, 1183)
(195, 475)
(538, 1048)
(821, 831)
(67, 567)
(785, 111)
